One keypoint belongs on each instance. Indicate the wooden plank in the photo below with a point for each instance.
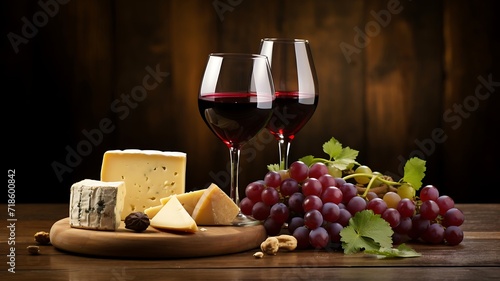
(470, 107)
(403, 60)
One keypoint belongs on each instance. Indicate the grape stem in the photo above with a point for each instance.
(372, 179)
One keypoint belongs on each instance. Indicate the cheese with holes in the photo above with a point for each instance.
(188, 200)
(96, 205)
(148, 175)
(172, 216)
(215, 208)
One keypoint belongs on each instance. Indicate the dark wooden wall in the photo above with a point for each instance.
(409, 85)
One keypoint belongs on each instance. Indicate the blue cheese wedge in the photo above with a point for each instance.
(96, 204)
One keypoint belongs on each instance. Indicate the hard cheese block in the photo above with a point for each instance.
(148, 175)
(96, 205)
(215, 208)
(188, 201)
(172, 216)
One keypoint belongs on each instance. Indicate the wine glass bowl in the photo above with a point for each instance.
(236, 102)
(296, 87)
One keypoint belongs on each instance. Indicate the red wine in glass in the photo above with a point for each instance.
(234, 118)
(290, 114)
(236, 101)
(296, 87)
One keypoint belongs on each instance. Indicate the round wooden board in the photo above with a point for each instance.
(153, 243)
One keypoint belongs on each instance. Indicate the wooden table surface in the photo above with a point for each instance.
(476, 258)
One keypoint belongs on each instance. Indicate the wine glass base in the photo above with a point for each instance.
(242, 220)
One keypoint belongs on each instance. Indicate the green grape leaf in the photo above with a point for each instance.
(333, 148)
(402, 251)
(366, 231)
(342, 164)
(308, 160)
(273, 167)
(414, 172)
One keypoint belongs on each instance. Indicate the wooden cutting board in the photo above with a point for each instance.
(153, 243)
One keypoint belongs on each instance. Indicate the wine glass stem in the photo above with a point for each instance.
(284, 148)
(234, 155)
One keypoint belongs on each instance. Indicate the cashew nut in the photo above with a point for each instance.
(275, 243)
(258, 255)
(270, 246)
(287, 242)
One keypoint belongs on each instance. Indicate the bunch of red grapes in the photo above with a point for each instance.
(314, 207)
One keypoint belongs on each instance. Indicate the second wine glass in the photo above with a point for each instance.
(236, 101)
(296, 87)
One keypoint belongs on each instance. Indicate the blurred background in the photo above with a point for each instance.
(397, 79)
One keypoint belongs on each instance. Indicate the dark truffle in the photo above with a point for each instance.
(137, 221)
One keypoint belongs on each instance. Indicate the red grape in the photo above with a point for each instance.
(270, 196)
(312, 202)
(349, 190)
(260, 211)
(453, 235)
(356, 204)
(406, 207)
(429, 210)
(317, 170)
(272, 227)
(429, 192)
(295, 203)
(272, 179)
(434, 234)
(301, 233)
(288, 187)
(299, 171)
(327, 180)
(294, 223)
(377, 205)
(313, 219)
(391, 216)
(404, 225)
(318, 238)
(333, 230)
(312, 186)
(344, 217)
(332, 194)
(330, 212)
(279, 213)
(246, 206)
(254, 190)
(445, 203)
(453, 217)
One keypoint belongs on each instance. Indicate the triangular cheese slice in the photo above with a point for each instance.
(215, 208)
(188, 200)
(172, 216)
(152, 211)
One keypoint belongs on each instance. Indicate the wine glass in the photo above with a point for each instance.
(296, 88)
(236, 102)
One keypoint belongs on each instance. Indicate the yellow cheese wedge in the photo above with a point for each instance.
(215, 208)
(148, 175)
(188, 200)
(152, 211)
(172, 216)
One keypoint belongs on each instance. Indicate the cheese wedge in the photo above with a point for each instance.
(172, 216)
(215, 208)
(148, 175)
(152, 211)
(188, 200)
